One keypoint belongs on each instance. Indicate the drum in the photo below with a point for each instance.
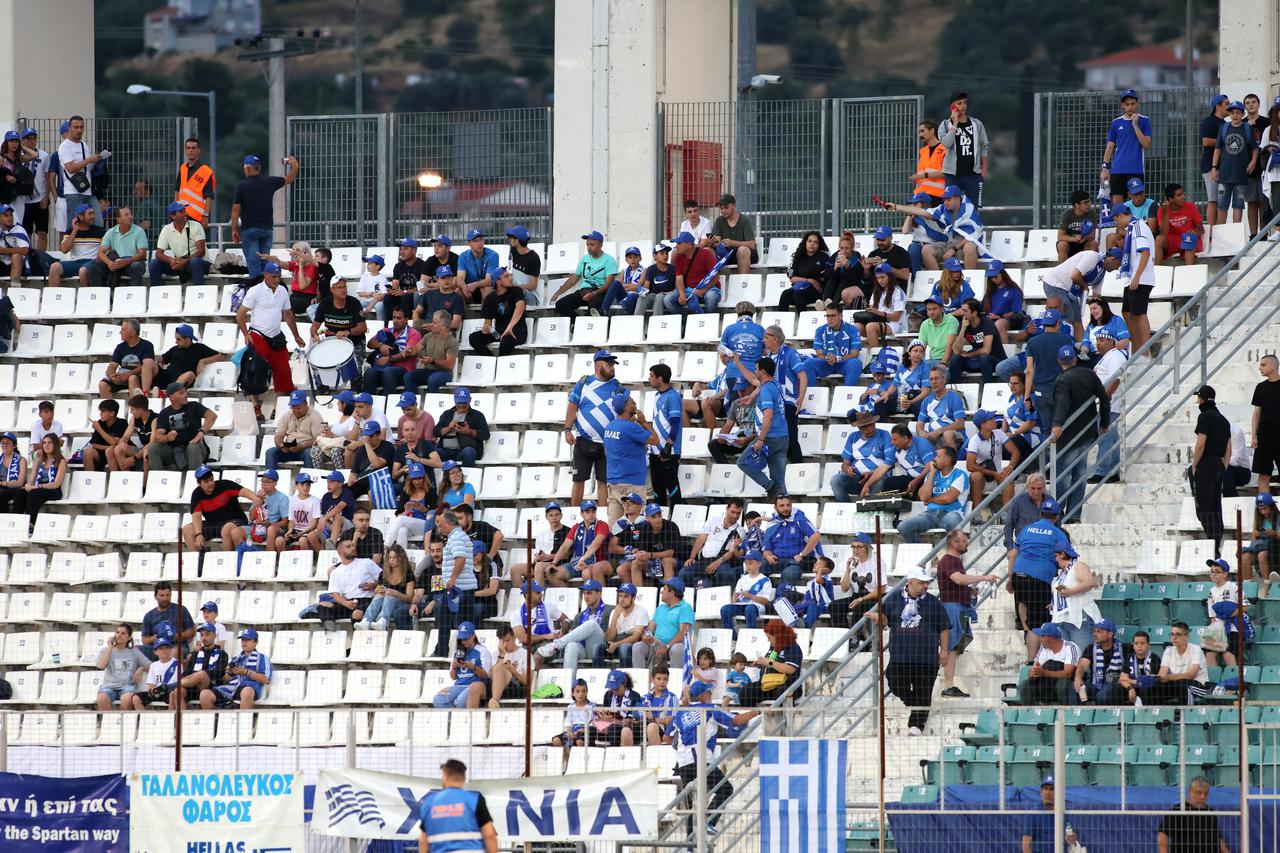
(333, 363)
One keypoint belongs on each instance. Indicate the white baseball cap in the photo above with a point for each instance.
(919, 573)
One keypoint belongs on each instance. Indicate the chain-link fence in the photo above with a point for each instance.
(1071, 135)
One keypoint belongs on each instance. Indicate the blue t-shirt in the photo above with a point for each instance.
(473, 268)
(624, 451)
(1006, 300)
(457, 497)
(770, 397)
(913, 638)
(1129, 157)
(1038, 825)
(1116, 326)
(1237, 146)
(668, 422)
(277, 506)
(868, 454)
(155, 618)
(957, 479)
(788, 361)
(746, 338)
(949, 305)
(918, 454)
(838, 342)
(667, 620)
(936, 413)
(1037, 544)
(1043, 348)
(1209, 127)
(129, 357)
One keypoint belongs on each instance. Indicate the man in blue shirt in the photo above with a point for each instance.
(585, 417)
(1128, 139)
(837, 347)
(1042, 365)
(1037, 826)
(590, 280)
(668, 425)
(453, 818)
(476, 268)
(744, 339)
(626, 439)
(770, 445)
(670, 628)
(1034, 568)
(941, 418)
(1210, 126)
(788, 363)
(791, 543)
(684, 728)
(868, 457)
(912, 454)
(946, 495)
(472, 663)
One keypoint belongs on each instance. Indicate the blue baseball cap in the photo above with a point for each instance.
(632, 250)
(10, 134)
(953, 265)
(444, 239)
(297, 397)
(1049, 506)
(676, 584)
(5, 208)
(450, 464)
(185, 330)
(619, 400)
(407, 399)
(466, 631)
(346, 395)
(698, 689)
(1104, 332)
(303, 477)
(30, 131)
(474, 233)
(1115, 252)
(375, 259)
(1128, 93)
(1106, 625)
(84, 208)
(662, 247)
(252, 160)
(551, 505)
(64, 127)
(336, 476)
(1263, 499)
(1087, 226)
(211, 606)
(884, 232)
(616, 679)
(996, 267)
(531, 586)
(1066, 352)
(1048, 629)
(981, 416)
(591, 585)
(627, 589)
(417, 471)
(1135, 186)
(371, 428)
(919, 197)
(593, 235)
(952, 191)
(477, 547)
(497, 273)
(14, 439)
(364, 397)
(248, 634)
(753, 555)
(1068, 549)
(444, 271)
(519, 232)
(408, 241)
(1121, 209)
(1046, 782)
(163, 641)
(634, 498)
(207, 628)
(864, 538)
(203, 471)
(1235, 105)
(1051, 317)
(1218, 99)
(685, 237)
(604, 355)
(271, 268)
(1220, 563)
(883, 269)
(652, 509)
(462, 395)
(586, 505)
(270, 474)
(174, 207)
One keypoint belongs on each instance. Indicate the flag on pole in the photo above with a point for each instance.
(381, 492)
(802, 795)
(686, 672)
(715, 270)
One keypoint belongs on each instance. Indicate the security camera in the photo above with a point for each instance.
(759, 81)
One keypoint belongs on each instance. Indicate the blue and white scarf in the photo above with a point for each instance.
(541, 622)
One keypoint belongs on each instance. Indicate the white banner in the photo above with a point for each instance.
(217, 811)
(586, 807)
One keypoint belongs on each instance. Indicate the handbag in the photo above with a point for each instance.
(80, 180)
(772, 681)
(278, 342)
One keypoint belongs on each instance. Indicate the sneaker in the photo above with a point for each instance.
(380, 625)
(329, 625)
(914, 732)
(362, 625)
(549, 650)
(712, 831)
(954, 692)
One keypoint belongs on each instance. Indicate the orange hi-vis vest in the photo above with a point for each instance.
(932, 161)
(191, 190)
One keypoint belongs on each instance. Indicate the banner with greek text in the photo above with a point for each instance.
(216, 811)
(53, 815)
(585, 807)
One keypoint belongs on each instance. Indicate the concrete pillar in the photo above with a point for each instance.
(33, 86)
(1248, 56)
(616, 60)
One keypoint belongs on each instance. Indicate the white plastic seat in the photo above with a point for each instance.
(70, 340)
(478, 370)
(562, 258)
(130, 302)
(549, 332)
(58, 303)
(702, 328)
(26, 302)
(1007, 245)
(364, 687)
(163, 487)
(743, 288)
(699, 366)
(324, 687)
(222, 337)
(200, 300)
(165, 301)
(33, 341)
(624, 330)
(70, 378)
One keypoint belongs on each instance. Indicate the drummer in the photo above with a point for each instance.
(340, 316)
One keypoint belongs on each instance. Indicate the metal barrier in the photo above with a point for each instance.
(341, 198)
(876, 148)
(1071, 134)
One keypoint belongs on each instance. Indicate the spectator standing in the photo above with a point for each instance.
(1181, 227)
(668, 427)
(1254, 198)
(296, 431)
(195, 184)
(787, 363)
(807, 273)
(1034, 567)
(1234, 157)
(1266, 421)
(1128, 139)
(503, 312)
(955, 591)
(452, 815)
(1043, 368)
(35, 212)
(1074, 605)
(790, 543)
(461, 431)
(945, 493)
(966, 144)
(1210, 128)
(733, 234)
(866, 461)
(178, 437)
(457, 595)
(772, 436)
(1109, 367)
(1209, 463)
(684, 725)
(123, 251)
(1183, 831)
(75, 163)
(183, 362)
(479, 268)
(919, 637)
(1076, 388)
(252, 216)
(1052, 673)
(590, 279)
(260, 316)
(588, 412)
(929, 175)
(1083, 271)
(1021, 511)
(743, 342)
(180, 249)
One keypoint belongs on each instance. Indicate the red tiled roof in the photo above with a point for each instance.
(1149, 55)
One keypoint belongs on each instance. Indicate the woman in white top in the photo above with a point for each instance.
(1183, 666)
(886, 311)
(864, 562)
(1074, 605)
(1269, 157)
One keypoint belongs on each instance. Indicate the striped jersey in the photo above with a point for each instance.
(668, 421)
(591, 396)
(838, 342)
(868, 454)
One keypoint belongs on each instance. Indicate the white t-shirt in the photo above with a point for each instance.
(1143, 241)
(628, 622)
(718, 536)
(1109, 367)
(1069, 654)
(72, 152)
(747, 583)
(38, 432)
(220, 635)
(703, 229)
(1227, 592)
(266, 308)
(346, 579)
(156, 672)
(303, 512)
(545, 540)
(872, 566)
(41, 171)
(1059, 276)
(1181, 663)
(371, 284)
(518, 659)
(897, 302)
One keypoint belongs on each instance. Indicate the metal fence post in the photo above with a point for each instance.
(1036, 154)
(700, 808)
(837, 148)
(1059, 775)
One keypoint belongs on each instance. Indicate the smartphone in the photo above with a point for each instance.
(954, 107)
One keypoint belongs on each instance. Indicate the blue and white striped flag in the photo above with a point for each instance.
(802, 795)
(715, 270)
(381, 492)
(686, 670)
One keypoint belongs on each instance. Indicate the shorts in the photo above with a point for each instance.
(569, 571)
(939, 250)
(1036, 595)
(116, 693)
(1210, 188)
(1071, 305)
(35, 218)
(1267, 457)
(211, 529)
(612, 736)
(1120, 180)
(116, 387)
(1020, 443)
(588, 457)
(960, 628)
(514, 690)
(1253, 191)
(1231, 196)
(1136, 300)
(165, 376)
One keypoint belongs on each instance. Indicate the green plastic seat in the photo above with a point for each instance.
(1076, 723)
(1266, 649)
(1250, 590)
(1107, 770)
(1105, 728)
(1150, 726)
(1124, 633)
(1201, 759)
(1030, 765)
(1079, 760)
(949, 767)
(983, 732)
(1189, 605)
(1160, 635)
(1252, 678)
(1033, 727)
(1152, 764)
(1226, 725)
(920, 794)
(1267, 687)
(1114, 601)
(1151, 607)
(1226, 772)
(1268, 609)
(1196, 726)
(985, 769)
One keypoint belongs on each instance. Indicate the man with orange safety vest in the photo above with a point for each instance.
(928, 174)
(195, 183)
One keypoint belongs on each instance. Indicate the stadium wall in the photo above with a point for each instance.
(31, 85)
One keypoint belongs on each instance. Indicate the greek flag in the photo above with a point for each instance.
(715, 270)
(686, 670)
(345, 802)
(381, 492)
(802, 795)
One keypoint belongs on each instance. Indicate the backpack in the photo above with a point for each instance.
(99, 179)
(255, 373)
